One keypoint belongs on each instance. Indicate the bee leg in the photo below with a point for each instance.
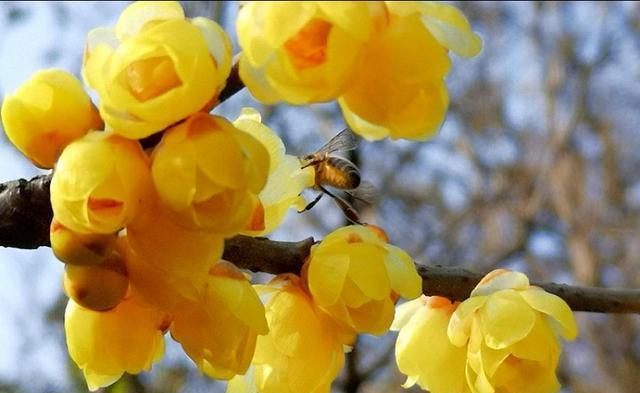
(349, 212)
(312, 204)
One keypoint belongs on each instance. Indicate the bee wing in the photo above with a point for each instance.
(366, 193)
(345, 140)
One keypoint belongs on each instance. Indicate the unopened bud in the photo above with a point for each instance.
(100, 287)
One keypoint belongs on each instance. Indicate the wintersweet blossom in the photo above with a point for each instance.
(46, 113)
(107, 344)
(511, 332)
(310, 58)
(99, 182)
(303, 351)
(209, 173)
(286, 178)
(155, 67)
(399, 91)
(423, 350)
(356, 277)
(219, 329)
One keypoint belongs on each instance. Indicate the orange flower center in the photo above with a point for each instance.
(308, 48)
(149, 78)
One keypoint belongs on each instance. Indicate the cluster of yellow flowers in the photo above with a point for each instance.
(504, 338)
(141, 230)
(348, 285)
(384, 62)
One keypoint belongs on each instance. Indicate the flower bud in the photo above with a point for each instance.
(100, 287)
(46, 113)
(209, 174)
(356, 276)
(99, 182)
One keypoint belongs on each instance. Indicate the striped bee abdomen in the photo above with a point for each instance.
(339, 173)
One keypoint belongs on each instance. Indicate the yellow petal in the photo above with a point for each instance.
(367, 130)
(374, 317)
(425, 355)
(499, 280)
(327, 276)
(404, 278)
(298, 13)
(241, 299)
(540, 345)
(218, 43)
(406, 311)
(506, 319)
(136, 15)
(368, 271)
(174, 173)
(459, 329)
(257, 159)
(451, 28)
(554, 307)
(249, 122)
(354, 17)
(258, 85)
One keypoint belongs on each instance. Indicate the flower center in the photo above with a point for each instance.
(149, 78)
(308, 48)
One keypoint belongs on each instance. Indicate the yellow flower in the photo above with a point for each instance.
(219, 330)
(399, 91)
(286, 178)
(355, 276)
(98, 183)
(312, 56)
(303, 351)
(46, 113)
(423, 350)
(179, 258)
(511, 331)
(155, 68)
(107, 344)
(209, 173)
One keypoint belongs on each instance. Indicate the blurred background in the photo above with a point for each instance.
(536, 168)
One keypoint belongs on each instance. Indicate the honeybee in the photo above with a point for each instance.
(339, 173)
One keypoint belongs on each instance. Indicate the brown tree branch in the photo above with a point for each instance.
(25, 214)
